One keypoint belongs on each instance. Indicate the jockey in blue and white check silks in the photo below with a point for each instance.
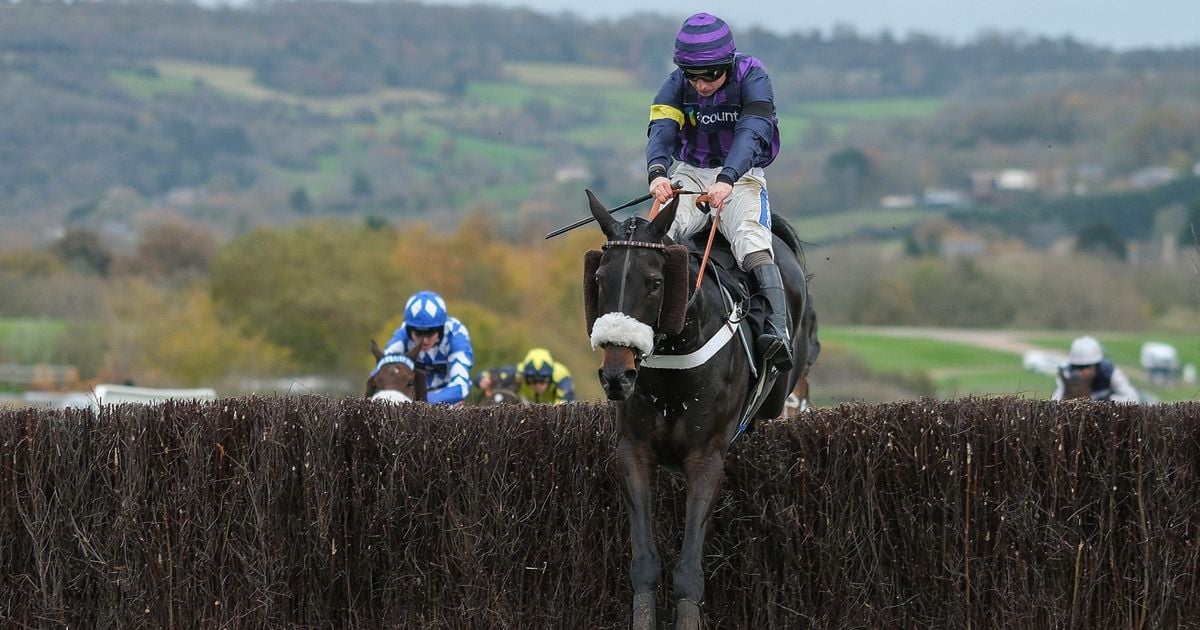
(447, 365)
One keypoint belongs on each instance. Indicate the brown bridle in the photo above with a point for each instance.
(702, 198)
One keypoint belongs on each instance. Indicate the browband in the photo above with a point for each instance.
(645, 244)
(393, 358)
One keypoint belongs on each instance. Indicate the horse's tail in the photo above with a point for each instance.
(781, 228)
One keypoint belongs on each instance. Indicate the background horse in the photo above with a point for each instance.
(498, 386)
(1074, 385)
(682, 417)
(797, 402)
(396, 377)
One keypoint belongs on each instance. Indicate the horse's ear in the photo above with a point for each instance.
(607, 223)
(665, 217)
(676, 281)
(591, 261)
(375, 350)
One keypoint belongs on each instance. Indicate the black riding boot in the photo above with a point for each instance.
(775, 344)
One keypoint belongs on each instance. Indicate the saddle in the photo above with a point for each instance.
(723, 268)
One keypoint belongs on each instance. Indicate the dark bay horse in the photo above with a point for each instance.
(396, 377)
(642, 306)
(1074, 384)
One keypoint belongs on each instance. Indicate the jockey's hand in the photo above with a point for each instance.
(718, 193)
(661, 189)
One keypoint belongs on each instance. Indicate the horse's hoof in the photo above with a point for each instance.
(643, 612)
(687, 615)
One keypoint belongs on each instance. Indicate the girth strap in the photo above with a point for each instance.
(698, 357)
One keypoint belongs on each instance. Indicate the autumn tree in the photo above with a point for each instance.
(174, 337)
(319, 289)
(174, 248)
(83, 250)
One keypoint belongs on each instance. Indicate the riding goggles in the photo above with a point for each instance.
(424, 332)
(704, 73)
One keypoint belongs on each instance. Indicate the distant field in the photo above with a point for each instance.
(825, 227)
(611, 107)
(592, 77)
(145, 86)
(238, 81)
(960, 369)
(615, 116)
(837, 116)
(871, 109)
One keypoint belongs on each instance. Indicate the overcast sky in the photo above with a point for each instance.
(1119, 24)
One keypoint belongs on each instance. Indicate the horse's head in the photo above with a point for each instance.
(1076, 384)
(395, 378)
(638, 286)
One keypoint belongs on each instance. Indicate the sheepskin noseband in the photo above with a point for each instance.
(619, 329)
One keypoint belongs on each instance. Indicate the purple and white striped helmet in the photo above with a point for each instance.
(704, 40)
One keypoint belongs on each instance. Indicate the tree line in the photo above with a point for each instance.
(179, 309)
(72, 131)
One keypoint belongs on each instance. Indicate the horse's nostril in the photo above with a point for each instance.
(617, 379)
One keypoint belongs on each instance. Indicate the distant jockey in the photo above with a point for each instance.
(1106, 380)
(445, 347)
(544, 380)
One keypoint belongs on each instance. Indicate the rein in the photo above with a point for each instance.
(701, 198)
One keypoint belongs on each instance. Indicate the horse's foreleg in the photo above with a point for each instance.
(635, 466)
(704, 471)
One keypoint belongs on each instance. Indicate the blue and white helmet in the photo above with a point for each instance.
(425, 310)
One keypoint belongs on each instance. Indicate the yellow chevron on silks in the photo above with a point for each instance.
(659, 112)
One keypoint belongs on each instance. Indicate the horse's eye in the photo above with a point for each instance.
(655, 284)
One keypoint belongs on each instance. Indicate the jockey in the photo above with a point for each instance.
(715, 116)
(544, 380)
(1107, 380)
(445, 347)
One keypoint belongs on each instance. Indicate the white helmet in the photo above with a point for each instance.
(1085, 351)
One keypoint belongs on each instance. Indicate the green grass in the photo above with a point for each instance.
(1000, 380)
(902, 354)
(29, 341)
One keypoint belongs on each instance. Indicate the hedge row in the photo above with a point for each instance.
(317, 513)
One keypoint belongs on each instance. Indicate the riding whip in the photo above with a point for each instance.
(631, 202)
